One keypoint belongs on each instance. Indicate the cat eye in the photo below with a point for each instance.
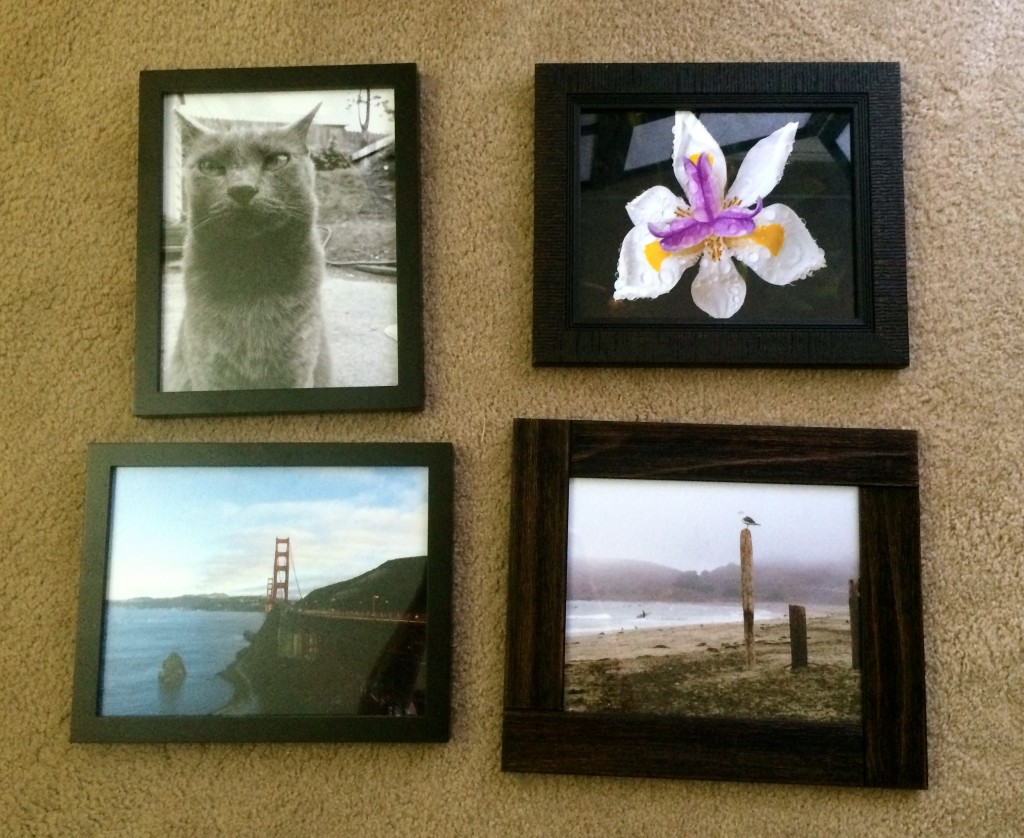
(273, 162)
(211, 167)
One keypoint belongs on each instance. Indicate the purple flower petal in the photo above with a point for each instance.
(681, 232)
(736, 221)
(701, 188)
(733, 224)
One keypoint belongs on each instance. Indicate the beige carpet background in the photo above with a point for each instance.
(68, 158)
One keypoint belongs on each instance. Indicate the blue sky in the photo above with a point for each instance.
(692, 525)
(185, 530)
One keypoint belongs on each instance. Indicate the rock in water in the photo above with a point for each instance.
(172, 673)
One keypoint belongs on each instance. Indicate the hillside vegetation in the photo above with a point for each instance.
(822, 584)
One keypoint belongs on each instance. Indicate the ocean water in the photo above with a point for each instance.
(138, 639)
(594, 616)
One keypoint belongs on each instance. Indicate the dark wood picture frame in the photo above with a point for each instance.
(389, 168)
(887, 749)
(578, 232)
(415, 647)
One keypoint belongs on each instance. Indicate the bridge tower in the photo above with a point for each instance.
(277, 585)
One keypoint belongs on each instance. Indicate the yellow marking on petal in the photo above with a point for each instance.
(655, 254)
(769, 236)
(695, 157)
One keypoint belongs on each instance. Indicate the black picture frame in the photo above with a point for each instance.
(281, 685)
(887, 748)
(364, 142)
(850, 313)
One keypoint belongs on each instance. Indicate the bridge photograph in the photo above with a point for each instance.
(241, 591)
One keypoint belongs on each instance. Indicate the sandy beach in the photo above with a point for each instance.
(701, 670)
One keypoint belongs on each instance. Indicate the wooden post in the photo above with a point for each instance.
(798, 635)
(855, 621)
(747, 591)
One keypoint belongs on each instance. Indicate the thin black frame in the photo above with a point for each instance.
(888, 748)
(408, 393)
(869, 91)
(87, 725)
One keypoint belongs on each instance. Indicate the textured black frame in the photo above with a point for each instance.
(154, 85)
(888, 748)
(871, 91)
(87, 725)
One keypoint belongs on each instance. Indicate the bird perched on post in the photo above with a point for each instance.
(750, 522)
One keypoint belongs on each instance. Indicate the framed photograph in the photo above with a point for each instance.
(719, 214)
(715, 602)
(278, 241)
(278, 592)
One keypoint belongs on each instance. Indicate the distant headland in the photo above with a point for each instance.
(197, 602)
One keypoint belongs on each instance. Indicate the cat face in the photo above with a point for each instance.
(244, 183)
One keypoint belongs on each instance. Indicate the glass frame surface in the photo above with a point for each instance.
(575, 319)
(432, 625)
(157, 241)
(888, 748)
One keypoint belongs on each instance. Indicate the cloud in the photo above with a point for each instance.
(214, 530)
(329, 540)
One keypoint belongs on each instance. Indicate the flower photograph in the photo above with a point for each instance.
(715, 217)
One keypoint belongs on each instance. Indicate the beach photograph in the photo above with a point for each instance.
(707, 599)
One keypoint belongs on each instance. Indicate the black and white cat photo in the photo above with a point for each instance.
(253, 303)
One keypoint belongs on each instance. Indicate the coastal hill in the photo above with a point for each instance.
(352, 647)
(633, 580)
(396, 585)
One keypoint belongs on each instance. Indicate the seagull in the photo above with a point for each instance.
(750, 522)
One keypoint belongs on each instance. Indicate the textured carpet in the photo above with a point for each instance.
(68, 160)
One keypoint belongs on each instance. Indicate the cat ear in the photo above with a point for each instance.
(190, 129)
(299, 129)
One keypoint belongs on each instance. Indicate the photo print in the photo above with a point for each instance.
(267, 194)
(279, 241)
(284, 592)
(681, 599)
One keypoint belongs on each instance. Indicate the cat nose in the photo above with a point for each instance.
(242, 193)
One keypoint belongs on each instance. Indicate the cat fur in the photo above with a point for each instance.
(253, 263)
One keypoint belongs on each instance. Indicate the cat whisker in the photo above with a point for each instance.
(297, 211)
(199, 223)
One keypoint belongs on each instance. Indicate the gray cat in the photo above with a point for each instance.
(253, 263)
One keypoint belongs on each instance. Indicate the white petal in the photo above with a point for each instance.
(798, 256)
(691, 140)
(718, 289)
(637, 278)
(761, 169)
(654, 206)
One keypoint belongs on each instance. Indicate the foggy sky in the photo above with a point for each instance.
(689, 525)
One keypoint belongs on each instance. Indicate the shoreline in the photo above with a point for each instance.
(626, 644)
